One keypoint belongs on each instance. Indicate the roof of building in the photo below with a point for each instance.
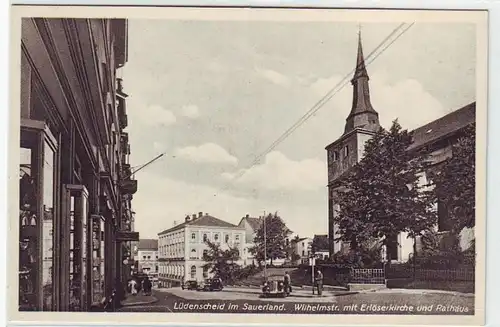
(444, 126)
(254, 222)
(205, 220)
(295, 240)
(147, 244)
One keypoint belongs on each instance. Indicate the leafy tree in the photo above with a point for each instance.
(276, 239)
(220, 262)
(456, 182)
(382, 195)
(320, 242)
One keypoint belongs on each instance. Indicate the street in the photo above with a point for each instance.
(239, 300)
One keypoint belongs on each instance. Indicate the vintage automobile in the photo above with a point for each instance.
(190, 285)
(211, 284)
(274, 286)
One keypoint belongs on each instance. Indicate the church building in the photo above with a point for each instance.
(361, 124)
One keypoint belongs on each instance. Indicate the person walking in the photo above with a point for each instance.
(319, 282)
(288, 283)
(146, 286)
(133, 286)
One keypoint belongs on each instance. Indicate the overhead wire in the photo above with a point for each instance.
(372, 56)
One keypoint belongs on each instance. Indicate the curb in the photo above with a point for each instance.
(153, 300)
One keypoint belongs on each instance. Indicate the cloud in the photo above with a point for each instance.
(152, 115)
(281, 173)
(168, 200)
(274, 77)
(190, 111)
(208, 152)
(405, 99)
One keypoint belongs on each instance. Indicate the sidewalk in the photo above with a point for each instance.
(139, 299)
(296, 292)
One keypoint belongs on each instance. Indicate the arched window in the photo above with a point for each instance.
(193, 236)
(227, 238)
(193, 272)
(205, 237)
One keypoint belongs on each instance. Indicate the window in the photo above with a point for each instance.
(227, 239)
(149, 257)
(193, 253)
(205, 252)
(237, 237)
(346, 151)
(143, 257)
(205, 272)
(205, 238)
(216, 237)
(193, 236)
(334, 155)
(193, 272)
(303, 253)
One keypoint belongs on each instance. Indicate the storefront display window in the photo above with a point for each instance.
(77, 197)
(37, 186)
(97, 259)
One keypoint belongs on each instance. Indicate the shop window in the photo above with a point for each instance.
(193, 272)
(76, 203)
(38, 164)
(97, 259)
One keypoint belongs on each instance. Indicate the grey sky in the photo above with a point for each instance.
(215, 94)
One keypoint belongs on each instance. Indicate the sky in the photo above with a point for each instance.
(213, 95)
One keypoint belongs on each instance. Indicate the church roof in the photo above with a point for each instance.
(444, 126)
(206, 221)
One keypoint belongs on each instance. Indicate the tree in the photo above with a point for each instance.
(456, 182)
(319, 243)
(221, 263)
(382, 195)
(276, 239)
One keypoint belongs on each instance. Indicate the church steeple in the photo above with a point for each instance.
(362, 114)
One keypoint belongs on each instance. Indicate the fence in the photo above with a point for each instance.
(404, 271)
(368, 276)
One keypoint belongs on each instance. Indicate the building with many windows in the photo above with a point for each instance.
(75, 182)
(147, 256)
(181, 247)
(437, 137)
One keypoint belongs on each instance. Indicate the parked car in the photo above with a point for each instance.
(190, 285)
(274, 286)
(211, 284)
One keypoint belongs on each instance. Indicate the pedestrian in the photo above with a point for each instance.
(133, 286)
(319, 281)
(146, 286)
(288, 284)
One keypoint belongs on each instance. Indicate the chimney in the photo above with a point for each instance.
(200, 214)
(194, 216)
(187, 218)
(175, 223)
(206, 213)
(247, 216)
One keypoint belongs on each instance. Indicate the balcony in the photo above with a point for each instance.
(128, 186)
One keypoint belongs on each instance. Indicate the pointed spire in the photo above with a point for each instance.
(360, 60)
(362, 114)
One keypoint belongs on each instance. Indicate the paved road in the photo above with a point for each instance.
(248, 301)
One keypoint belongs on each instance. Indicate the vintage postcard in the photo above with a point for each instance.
(247, 165)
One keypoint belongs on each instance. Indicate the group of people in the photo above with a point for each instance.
(135, 285)
(318, 282)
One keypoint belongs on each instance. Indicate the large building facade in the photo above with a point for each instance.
(362, 123)
(75, 181)
(181, 248)
(147, 256)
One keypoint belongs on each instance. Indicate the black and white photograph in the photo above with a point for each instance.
(247, 165)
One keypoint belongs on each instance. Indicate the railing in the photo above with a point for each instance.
(368, 276)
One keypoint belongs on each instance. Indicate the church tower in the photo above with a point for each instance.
(361, 124)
